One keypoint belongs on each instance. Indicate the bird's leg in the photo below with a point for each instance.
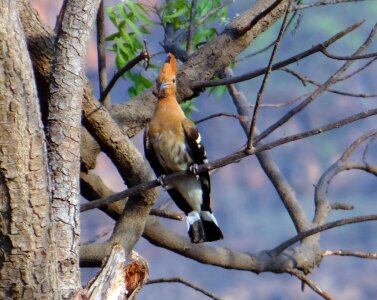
(194, 169)
(161, 181)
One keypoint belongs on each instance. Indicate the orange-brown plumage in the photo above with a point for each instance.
(172, 143)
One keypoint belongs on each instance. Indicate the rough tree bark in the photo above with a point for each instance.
(27, 262)
(63, 135)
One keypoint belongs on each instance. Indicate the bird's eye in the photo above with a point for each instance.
(173, 80)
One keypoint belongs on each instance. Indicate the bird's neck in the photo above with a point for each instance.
(169, 105)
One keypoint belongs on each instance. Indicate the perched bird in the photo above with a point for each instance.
(172, 143)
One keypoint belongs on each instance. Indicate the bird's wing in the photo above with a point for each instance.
(198, 154)
(151, 155)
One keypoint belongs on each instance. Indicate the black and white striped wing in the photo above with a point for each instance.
(198, 154)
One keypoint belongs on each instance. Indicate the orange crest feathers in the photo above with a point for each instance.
(169, 69)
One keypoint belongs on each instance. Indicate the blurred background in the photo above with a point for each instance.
(245, 203)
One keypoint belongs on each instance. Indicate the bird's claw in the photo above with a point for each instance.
(161, 181)
(194, 169)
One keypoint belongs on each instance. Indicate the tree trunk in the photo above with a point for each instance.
(27, 257)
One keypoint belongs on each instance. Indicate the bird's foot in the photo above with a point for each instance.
(161, 181)
(194, 169)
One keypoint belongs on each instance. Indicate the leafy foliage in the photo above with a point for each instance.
(132, 19)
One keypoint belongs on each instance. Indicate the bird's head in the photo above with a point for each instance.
(166, 81)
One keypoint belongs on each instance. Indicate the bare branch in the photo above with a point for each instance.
(247, 76)
(341, 206)
(144, 55)
(305, 79)
(191, 28)
(332, 79)
(322, 206)
(101, 53)
(324, 227)
(323, 2)
(266, 76)
(222, 114)
(185, 282)
(358, 70)
(166, 214)
(350, 253)
(346, 155)
(285, 191)
(351, 57)
(310, 283)
(226, 160)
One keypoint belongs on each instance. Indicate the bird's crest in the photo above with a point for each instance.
(166, 82)
(169, 69)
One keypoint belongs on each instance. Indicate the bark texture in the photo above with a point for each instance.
(26, 255)
(63, 134)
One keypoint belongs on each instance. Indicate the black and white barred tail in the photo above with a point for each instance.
(203, 227)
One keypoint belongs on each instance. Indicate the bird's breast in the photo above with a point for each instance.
(171, 150)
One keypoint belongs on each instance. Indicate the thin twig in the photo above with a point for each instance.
(302, 235)
(305, 80)
(282, 186)
(222, 114)
(266, 76)
(253, 74)
(341, 206)
(144, 55)
(269, 45)
(310, 283)
(350, 57)
(235, 157)
(358, 70)
(330, 81)
(320, 3)
(350, 253)
(166, 214)
(185, 282)
(191, 28)
(101, 54)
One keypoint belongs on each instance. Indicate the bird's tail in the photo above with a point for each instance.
(203, 227)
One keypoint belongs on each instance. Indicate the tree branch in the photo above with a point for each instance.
(191, 28)
(265, 78)
(332, 79)
(299, 237)
(184, 282)
(222, 114)
(221, 162)
(323, 2)
(350, 57)
(305, 79)
(249, 75)
(285, 191)
(350, 253)
(101, 54)
(63, 135)
(144, 55)
(310, 283)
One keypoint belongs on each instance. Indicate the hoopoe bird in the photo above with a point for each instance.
(172, 143)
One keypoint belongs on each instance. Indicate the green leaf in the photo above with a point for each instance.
(134, 27)
(113, 37)
(177, 14)
(139, 14)
(112, 15)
